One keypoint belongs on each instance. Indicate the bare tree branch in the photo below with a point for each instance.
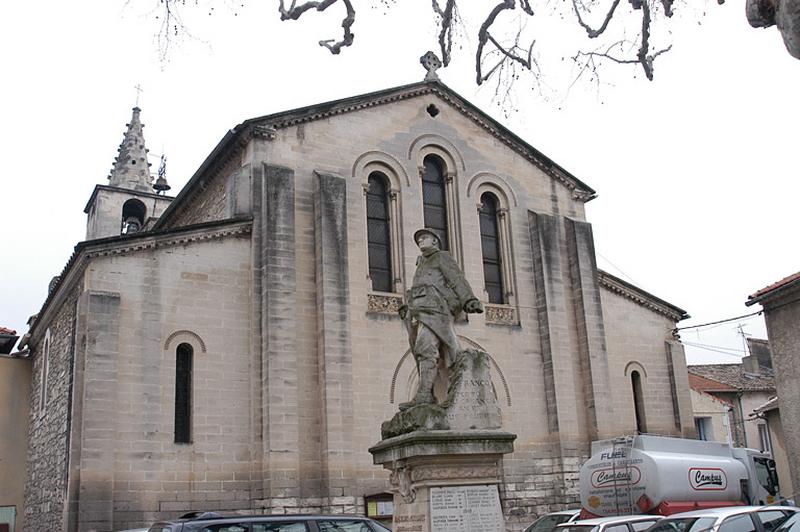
(591, 32)
(295, 12)
(502, 54)
(509, 54)
(448, 16)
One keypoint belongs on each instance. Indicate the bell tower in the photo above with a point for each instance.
(130, 201)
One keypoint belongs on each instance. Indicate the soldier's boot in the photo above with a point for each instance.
(427, 376)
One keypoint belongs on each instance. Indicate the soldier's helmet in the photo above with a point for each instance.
(426, 231)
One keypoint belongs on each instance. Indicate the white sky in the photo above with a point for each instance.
(696, 172)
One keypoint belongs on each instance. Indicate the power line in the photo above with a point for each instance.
(712, 348)
(718, 321)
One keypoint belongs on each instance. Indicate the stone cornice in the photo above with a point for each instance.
(639, 296)
(89, 249)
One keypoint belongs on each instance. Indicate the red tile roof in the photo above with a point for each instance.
(4, 330)
(774, 286)
(701, 384)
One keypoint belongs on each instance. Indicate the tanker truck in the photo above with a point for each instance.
(662, 475)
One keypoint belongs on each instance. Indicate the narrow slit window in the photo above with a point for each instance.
(434, 202)
(490, 248)
(183, 393)
(379, 233)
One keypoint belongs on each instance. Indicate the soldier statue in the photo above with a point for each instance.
(437, 296)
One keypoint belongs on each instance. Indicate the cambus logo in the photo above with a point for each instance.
(707, 478)
(622, 476)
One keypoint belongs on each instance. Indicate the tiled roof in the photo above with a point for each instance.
(701, 384)
(5, 330)
(732, 377)
(771, 288)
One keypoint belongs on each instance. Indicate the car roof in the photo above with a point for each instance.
(615, 519)
(727, 511)
(571, 511)
(271, 517)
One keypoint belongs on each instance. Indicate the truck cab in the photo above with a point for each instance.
(762, 484)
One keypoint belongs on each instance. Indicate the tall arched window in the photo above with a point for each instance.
(638, 401)
(490, 247)
(378, 233)
(183, 393)
(434, 202)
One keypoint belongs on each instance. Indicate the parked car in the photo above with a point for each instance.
(270, 523)
(548, 522)
(728, 519)
(792, 524)
(625, 523)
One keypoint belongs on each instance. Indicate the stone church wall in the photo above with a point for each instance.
(49, 426)
(197, 294)
(297, 359)
(542, 473)
(213, 201)
(641, 340)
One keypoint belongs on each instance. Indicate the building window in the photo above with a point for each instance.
(490, 247)
(45, 373)
(703, 426)
(434, 199)
(379, 233)
(133, 213)
(638, 402)
(183, 393)
(763, 439)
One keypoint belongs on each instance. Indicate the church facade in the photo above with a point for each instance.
(237, 347)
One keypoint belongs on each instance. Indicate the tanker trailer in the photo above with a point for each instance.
(662, 475)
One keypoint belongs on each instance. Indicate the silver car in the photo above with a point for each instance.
(728, 519)
(626, 523)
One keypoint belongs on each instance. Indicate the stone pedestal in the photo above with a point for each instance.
(444, 480)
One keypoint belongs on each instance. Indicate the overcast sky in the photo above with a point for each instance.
(696, 172)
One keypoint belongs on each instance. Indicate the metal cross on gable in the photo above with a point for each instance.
(431, 63)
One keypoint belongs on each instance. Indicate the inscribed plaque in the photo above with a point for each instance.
(466, 509)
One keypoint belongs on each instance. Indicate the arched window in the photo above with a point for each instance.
(490, 247)
(638, 401)
(434, 202)
(183, 393)
(133, 213)
(379, 233)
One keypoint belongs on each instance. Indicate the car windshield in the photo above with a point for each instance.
(691, 524)
(546, 523)
(790, 525)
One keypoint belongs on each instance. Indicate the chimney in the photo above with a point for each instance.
(750, 365)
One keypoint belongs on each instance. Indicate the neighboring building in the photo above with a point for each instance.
(781, 304)
(744, 387)
(770, 413)
(15, 378)
(711, 414)
(237, 347)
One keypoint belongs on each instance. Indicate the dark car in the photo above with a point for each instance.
(270, 523)
(548, 522)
